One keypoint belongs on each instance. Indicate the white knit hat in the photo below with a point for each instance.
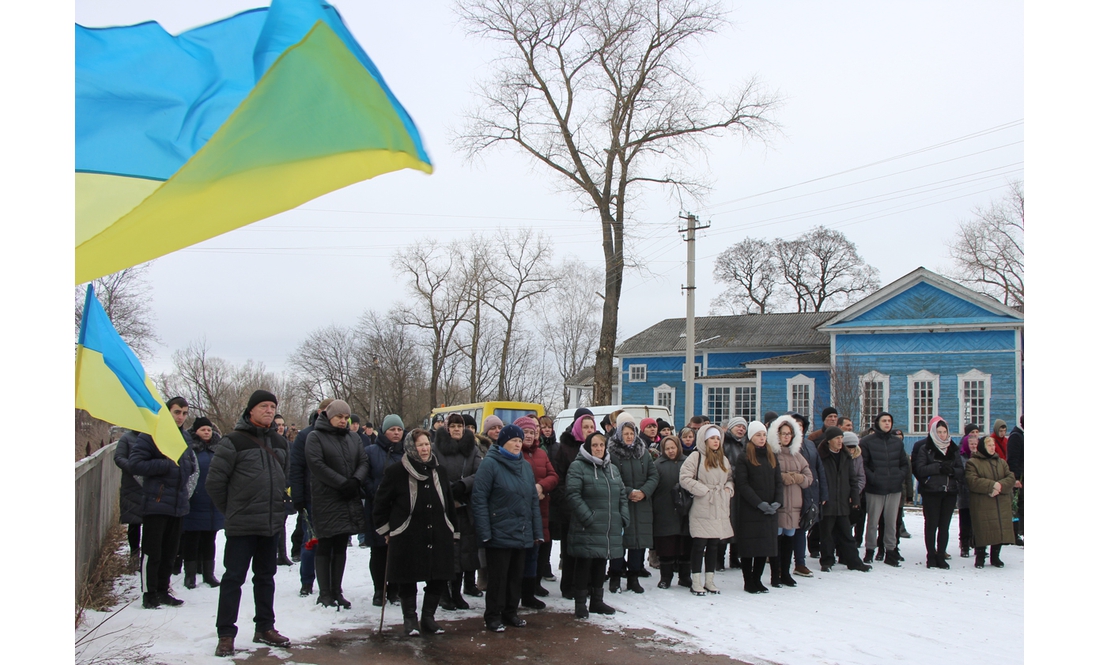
(756, 426)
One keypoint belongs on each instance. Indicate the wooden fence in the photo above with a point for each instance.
(97, 484)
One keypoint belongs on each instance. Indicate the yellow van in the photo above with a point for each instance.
(508, 412)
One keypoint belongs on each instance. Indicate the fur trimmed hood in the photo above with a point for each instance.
(773, 434)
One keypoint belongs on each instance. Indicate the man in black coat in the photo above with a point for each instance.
(1016, 466)
(247, 483)
(885, 464)
(843, 497)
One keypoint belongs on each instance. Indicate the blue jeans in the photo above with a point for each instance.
(800, 547)
(305, 565)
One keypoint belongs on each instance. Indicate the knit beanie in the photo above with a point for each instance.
(338, 407)
(646, 422)
(256, 398)
(201, 421)
(970, 428)
(392, 420)
(581, 412)
(736, 420)
(508, 433)
(468, 420)
(527, 422)
(626, 419)
(828, 411)
(833, 432)
(355, 418)
(756, 426)
(851, 439)
(661, 424)
(708, 431)
(491, 422)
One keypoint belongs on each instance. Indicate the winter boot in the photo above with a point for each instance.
(746, 572)
(224, 648)
(190, 569)
(979, 557)
(633, 585)
(995, 556)
(683, 574)
(596, 604)
(208, 574)
(428, 626)
(378, 600)
(757, 573)
(166, 598)
(446, 601)
(964, 551)
(941, 558)
(868, 556)
(614, 583)
(283, 559)
(540, 590)
(881, 554)
(892, 559)
(527, 594)
(470, 586)
(408, 611)
(337, 582)
(580, 604)
(786, 552)
(456, 594)
(323, 568)
(773, 564)
(149, 601)
(709, 583)
(668, 569)
(697, 587)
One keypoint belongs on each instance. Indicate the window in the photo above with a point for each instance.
(665, 395)
(924, 392)
(744, 402)
(800, 395)
(698, 370)
(718, 403)
(974, 387)
(874, 397)
(637, 373)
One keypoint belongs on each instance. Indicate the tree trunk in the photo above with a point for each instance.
(603, 383)
(475, 340)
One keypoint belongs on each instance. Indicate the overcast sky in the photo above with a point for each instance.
(899, 119)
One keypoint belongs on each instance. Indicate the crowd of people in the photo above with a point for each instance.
(474, 514)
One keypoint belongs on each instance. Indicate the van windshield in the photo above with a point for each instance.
(509, 416)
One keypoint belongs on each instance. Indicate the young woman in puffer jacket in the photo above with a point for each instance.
(785, 440)
(707, 474)
(938, 465)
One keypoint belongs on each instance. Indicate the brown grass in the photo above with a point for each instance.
(99, 592)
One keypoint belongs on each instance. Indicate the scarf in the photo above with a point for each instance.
(416, 477)
(933, 434)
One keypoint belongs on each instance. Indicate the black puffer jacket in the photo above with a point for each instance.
(166, 486)
(666, 521)
(247, 480)
(335, 457)
(759, 534)
(298, 470)
(129, 497)
(460, 461)
(842, 479)
(884, 460)
(936, 472)
(561, 457)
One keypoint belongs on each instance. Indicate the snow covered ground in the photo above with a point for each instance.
(897, 615)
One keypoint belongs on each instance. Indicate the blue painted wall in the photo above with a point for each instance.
(923, 303)
(773, 389)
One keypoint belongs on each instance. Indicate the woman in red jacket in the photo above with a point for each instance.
(546, 479)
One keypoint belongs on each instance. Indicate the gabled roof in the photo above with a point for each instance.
(587, 377)
(812, 358)
(794, 329)
(920, 299)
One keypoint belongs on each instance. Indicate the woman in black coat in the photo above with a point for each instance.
(418, 522)
(759, 490)
(939, 467)
(671, 536)
(456, 451)
(202, 523)
(337, 470)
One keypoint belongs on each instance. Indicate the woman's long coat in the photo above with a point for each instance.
(666, 521)
(203, 516)
(419, 517)
(709, 516)
(990, 516)
(758, 533)
(791, 460)
(598, 503)
(461, 459)
(333, 456)
(638, 473)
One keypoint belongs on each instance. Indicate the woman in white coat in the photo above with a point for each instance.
(708, 475)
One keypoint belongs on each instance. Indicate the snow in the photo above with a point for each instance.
(901, 615)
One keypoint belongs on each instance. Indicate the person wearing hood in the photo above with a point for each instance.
(247, 483)
(843, 497)
(759, 488)
(938, 465)
(299, 482)
(338, 471)
(490, 432)
(708, 476)
(166, 490)
(671, 533)
(885, 463)
(456, 451)
(991, 482)
(630, 454)
(600, 512)
(785, 441)
(386, 452)
(811, 499)
(733, 446)
(546, 480)
(203, 521)
(562, 457)
(1000, 437)
(414, 511)
(505, 508)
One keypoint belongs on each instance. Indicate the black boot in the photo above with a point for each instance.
(757, 574)
(446, 600)
(596, 604)
(668, 569)
(208, 573)
(580, 604)
(428, 626)
(632, 583)
(540, 590)
(786, 553)
(614, 583)
(773, 564)
(527, 594)
(683, 572)
(284, 560)
(979, 557)
(995, 556)
(456, 594)
(868, 556)
(378, 600)
(746, 572)
(734, 561)
(165, 598)
(149, 601)
(323, 568)
(190, 569)
(892, 558)
(408, 611)
(881, 554)
(469, 586)
(337, 582)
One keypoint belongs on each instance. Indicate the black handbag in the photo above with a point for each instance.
(811, 512)
(681, 498)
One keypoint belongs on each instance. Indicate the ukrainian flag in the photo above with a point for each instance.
(112, 386)
(183, 138)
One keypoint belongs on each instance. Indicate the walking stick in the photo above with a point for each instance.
(385, 587)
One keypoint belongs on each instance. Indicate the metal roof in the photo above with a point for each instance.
(812, 358)
(587, 377)
(793, 329)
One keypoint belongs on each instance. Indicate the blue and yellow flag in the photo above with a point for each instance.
(112, 386)
(180, 138)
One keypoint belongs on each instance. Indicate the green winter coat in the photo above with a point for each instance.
(990, 516)
(598, 508)
(638, 471)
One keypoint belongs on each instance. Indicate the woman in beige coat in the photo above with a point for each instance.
(990, 484)
(785, 440)
(708, 475)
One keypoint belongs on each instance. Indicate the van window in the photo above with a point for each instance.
(510, 416)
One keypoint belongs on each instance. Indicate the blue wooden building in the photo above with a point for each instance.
(919, 347)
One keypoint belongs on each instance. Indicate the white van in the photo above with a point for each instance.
(564, 419)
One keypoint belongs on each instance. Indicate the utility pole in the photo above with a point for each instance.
(689, 366)
(373, 391)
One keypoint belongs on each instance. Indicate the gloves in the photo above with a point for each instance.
(350, 489)
(766, 508)
(775, 507)
(458, 491)
(946, 468)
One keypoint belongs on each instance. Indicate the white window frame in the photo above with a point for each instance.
(873, 377)
(642, 375)
(921, 376)
(800, 380)
(755, 415)
(664, 388)
(698, 371)
(982, 377)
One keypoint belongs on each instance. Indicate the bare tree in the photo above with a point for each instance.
(568, 321)
(401, 385)
(125, 296)
(753, 275)
(824, 270)
(988, 250)
(845, 388)
(601, 93)
(328, 361)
